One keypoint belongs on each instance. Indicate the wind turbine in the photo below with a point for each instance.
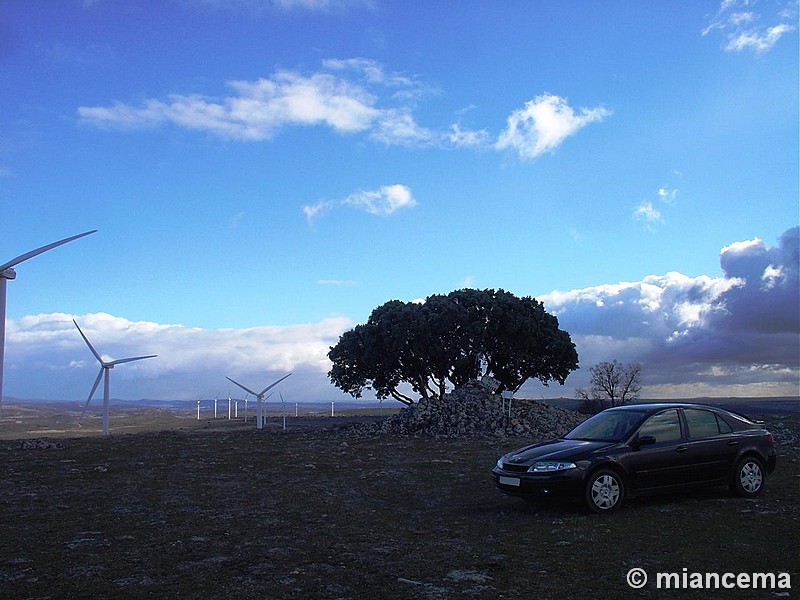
(7, 272)
(105, 367)
(260, 397)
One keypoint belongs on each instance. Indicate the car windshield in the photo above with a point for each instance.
(607, 426)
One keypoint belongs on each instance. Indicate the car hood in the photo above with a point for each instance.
(554, 450)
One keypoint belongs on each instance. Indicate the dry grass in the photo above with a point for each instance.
(237, 513)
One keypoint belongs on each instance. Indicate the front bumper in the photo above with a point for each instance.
(561, 484)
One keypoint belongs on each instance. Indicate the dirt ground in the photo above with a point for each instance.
(226, 511)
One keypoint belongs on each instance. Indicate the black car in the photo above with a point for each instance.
(642, 449)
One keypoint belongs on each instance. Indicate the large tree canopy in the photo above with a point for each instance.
(448, 340)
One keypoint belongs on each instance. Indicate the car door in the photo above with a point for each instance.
(664, 463)
(712, 446)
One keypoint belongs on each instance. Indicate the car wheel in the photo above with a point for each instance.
(748, 479)
(604, 491)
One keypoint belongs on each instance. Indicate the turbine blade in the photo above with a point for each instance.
(32, 253)
(94, 389)
(246, 389)
(119, 361)
(88, 343)
(272, 385)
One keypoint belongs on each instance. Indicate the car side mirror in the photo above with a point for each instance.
(644, 440)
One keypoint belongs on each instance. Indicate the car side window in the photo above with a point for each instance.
(702, 423)
(663, 426)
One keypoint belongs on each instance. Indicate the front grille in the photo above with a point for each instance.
(512, 468)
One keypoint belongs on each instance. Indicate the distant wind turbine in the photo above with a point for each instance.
(105, 367)
(260, 397)
(7, 272)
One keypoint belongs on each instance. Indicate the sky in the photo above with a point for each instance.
(262, 174)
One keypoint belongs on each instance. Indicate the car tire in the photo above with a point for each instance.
(749, 477)
(604, 491)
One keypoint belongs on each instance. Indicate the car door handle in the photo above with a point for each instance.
(733, 443)
(681, 449)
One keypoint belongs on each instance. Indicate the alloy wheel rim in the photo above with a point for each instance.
(605, 492)
(750, 477)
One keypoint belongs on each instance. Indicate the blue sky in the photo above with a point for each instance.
(262, 174)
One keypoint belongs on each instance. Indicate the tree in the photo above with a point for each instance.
(614, 382)
(446, 341)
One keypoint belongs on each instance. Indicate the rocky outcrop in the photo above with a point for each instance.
(39, 444)
(473, 411)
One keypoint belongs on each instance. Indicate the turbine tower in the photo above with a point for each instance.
(260, 397)
(105, 367)
(7, 272)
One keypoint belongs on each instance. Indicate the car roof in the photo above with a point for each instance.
(656, 406)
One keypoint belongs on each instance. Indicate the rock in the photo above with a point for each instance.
(473, 411)
(39, 443)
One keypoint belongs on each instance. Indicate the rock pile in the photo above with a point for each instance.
(39, 444)
(472, 410)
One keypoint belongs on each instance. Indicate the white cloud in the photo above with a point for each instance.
(737, 333)
(385, 201)
(48, 347)
(467, 138)
(258, 6)
(399, 127)
(543, 124)
(759, 40)
(694, 336)
(667, 195)
(744, 30)
(647, 214)
(382, 202)
(338, 282)
(347, 96)
(259, 109)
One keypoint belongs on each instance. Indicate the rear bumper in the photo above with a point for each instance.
(772, 461)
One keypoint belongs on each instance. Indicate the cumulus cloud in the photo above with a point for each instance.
(348, 96)
(543, 124)
(744, 29)
(46, 356)
(381, 202)
(738, 334)
(257, 110)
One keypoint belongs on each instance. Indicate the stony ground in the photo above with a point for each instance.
(229, 512)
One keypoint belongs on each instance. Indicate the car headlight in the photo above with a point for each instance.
(500, 462)
(548, 466)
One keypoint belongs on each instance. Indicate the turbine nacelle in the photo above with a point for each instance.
(8, 273)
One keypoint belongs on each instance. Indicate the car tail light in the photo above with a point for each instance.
(770, 439)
